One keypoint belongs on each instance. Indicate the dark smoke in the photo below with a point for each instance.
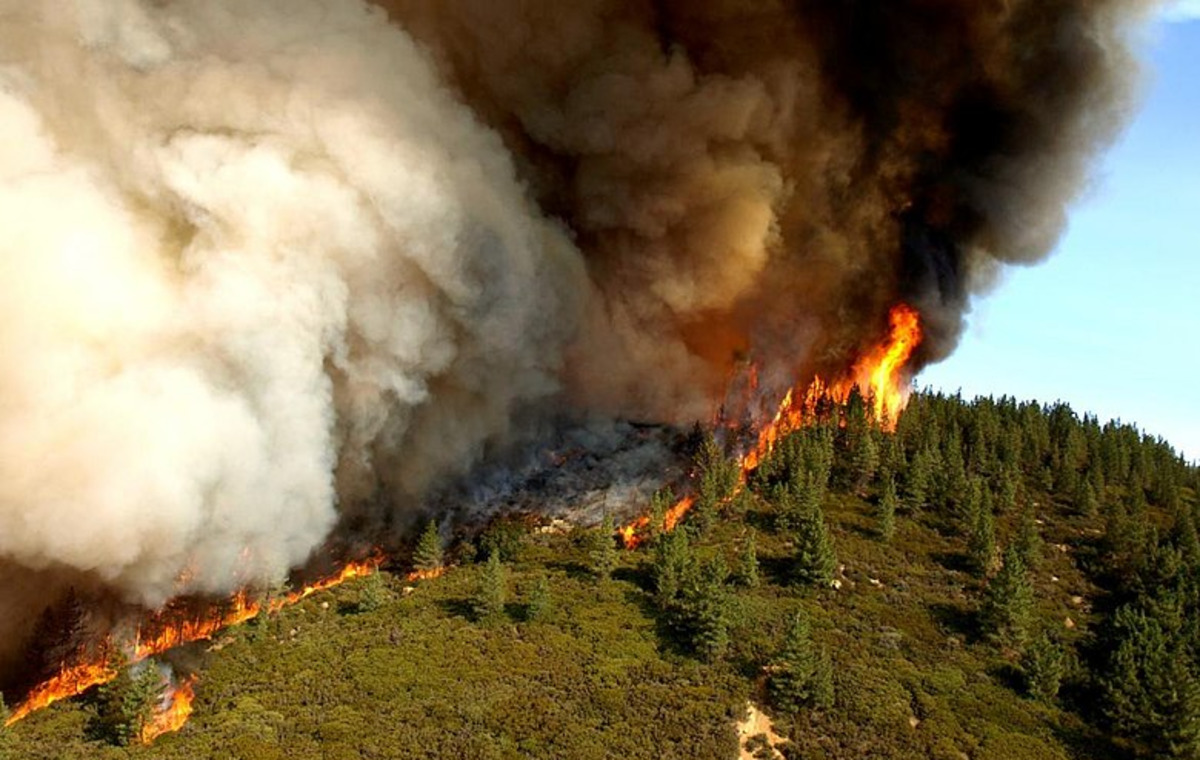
(771, 177)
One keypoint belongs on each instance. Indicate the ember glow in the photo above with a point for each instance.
(169, 629)
(176, 709)
(880, 375)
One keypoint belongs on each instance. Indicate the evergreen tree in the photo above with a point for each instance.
(662, 500)
(492, 591)
(801, 674)
(1028, 541)
(372, 593)
(864, 458)
(981, 540)
(1044, 666)
(539, 600)
(887, 510)
(1085, 499)
(719, 478)
(672, 563)
(429, 555)
(748, 561)
(126, 703)
(603, 552)
(1007, 498)
(919, 480)
(703, 610)
(815, 560)
(1007, 609)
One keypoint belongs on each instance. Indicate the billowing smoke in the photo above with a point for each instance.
(268, 262)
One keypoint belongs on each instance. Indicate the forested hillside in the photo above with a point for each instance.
(994, 580)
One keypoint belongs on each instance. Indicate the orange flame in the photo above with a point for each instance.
(879, 375)
(76, 678)
(174, 715)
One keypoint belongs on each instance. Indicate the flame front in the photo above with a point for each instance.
(879, 375)
(171, 632)
(175, 713)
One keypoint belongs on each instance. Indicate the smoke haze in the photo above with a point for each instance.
(268, 262)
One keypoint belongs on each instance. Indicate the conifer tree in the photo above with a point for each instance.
(703, 610)
(815, 560)
(1007, 609)
(864, 458)
(801, 674)
(492, 591)
(539, 600)
(748, 561)
(981, 540)
(372, 592)
(1044, 666)
(126, 703)
(429, 555)
(603, 553)
(920, 477)
(887, 510)
(662, 500)
(672, 562)
(1028, 541)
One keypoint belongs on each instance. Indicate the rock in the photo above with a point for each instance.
(1069, 623)
(913, 721)
(1077, 601)
(835, 584)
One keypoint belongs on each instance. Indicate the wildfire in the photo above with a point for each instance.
(176, 710)
(879, 375)
(171, 631)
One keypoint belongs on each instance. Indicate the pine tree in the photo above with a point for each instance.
(539, 600)
(703, 610)
(864, 458)
(801, 674)
(126, 703)
(748, 561)
(429, 555)
(672, 563)
(920, 477)
(1044, 665)
(887, 510)
(372, 593)
(1028, 541)
(1007, 609)
(493, 590)
(603, 552)
(815, 560)
(662, 500)
(981, 540)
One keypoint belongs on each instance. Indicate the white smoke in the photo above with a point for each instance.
(255, 260)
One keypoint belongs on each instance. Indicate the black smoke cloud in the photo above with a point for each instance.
(269, 262)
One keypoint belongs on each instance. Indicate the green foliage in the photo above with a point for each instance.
(1028, 541)
(603, 549)
(1045, 665)
(538, 606)
(372, 592)
(429, 554)
(7, 740)
(1007, 610)
(801, 674)
(662, 500)
(887, 510)
(981, 536)
(504, 537)
(747, 570)
(492, 592)
(126, 703)
(814, 560)
(719, 478)
(702, 612)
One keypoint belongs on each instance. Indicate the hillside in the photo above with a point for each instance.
(994, 580)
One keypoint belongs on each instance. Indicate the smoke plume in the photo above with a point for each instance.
(269, 264)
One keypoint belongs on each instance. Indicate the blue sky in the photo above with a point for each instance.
(1111, 323)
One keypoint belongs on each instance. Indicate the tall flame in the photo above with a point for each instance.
(174, 714)
(879, 375)
(170, 631)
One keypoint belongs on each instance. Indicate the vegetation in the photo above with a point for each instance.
(1081, 641)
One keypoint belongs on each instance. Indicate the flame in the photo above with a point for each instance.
(426, 575)
(174, 714)
(171, 631)
(879, 375)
